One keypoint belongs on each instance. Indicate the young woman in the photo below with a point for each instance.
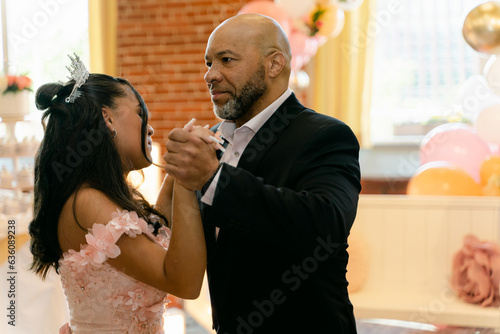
(108, 244)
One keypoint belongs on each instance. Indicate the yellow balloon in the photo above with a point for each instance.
(481, 28)
(439, 178)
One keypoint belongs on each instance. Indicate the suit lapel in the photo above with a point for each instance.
(269, 132)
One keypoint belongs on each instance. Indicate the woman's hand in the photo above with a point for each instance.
(204, 133)
(165, 196)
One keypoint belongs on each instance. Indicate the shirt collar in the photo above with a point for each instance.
(227, 128)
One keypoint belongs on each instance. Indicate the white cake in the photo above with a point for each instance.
(14, 106)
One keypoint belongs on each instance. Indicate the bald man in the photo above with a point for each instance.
(279, 203)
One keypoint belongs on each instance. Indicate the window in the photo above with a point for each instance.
(36, 36)
(420, 63)
(39, 36)
(2, 33)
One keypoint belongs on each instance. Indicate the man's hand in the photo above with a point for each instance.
(190, 156)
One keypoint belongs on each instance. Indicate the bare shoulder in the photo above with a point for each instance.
(82, 209)
(93, 206)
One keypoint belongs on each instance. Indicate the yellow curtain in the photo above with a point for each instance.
(343, 71)
(103, 17)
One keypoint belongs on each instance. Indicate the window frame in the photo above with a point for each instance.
(379, 130)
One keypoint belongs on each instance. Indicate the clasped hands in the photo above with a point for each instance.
(191, 155)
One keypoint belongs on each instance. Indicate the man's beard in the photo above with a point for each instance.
(238, 106)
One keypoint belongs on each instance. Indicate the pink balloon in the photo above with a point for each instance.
(297, 63)
(311, 47)
(455, 143)
(303, 49)
(298, 43)
(269, 8)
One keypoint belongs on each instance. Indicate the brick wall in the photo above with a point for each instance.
(161, 47)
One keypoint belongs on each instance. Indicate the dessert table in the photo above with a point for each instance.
(29, 304)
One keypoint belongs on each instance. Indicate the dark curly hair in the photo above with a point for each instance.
(78, 149)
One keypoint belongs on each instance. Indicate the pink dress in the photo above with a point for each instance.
(103, 299)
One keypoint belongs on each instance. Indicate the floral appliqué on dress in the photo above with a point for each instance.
(101, 298)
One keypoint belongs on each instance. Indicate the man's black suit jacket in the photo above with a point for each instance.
(278, 264)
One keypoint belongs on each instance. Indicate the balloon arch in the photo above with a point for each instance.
(308, 24)
(458, 159)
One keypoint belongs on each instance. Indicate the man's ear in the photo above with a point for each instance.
(276, 63)
(107, 115)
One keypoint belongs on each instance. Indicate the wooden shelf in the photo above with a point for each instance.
(409, 243)
(439, 308)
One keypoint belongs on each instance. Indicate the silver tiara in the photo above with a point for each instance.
(80, 74)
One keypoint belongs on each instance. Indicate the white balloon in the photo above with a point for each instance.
(488, 123)
(476, 95)
(296, 8)
(492, 74)
(348, 4)
(299, 80)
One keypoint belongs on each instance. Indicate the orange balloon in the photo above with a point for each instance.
(443, 179)
(490, 167)
(491, 190)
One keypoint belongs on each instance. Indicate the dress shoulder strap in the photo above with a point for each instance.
(101, 239)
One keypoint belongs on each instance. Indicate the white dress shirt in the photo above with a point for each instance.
(238, 139)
